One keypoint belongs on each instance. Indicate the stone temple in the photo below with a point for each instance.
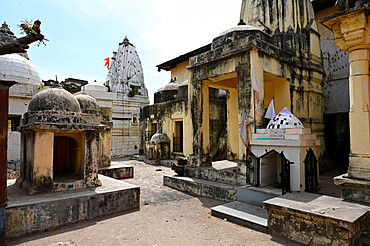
(126, 79)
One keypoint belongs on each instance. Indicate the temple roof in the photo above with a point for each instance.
(168, 65)
(125, 69)
(6, 35)
(281, 15)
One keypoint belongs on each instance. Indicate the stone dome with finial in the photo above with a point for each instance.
(54, 98)
(88, 104)
(6, 35)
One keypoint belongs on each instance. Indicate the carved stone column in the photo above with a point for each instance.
(352, 34)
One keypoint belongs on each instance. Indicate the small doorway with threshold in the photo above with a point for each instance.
(66, 159)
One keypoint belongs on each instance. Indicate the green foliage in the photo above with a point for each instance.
(28, 28)
(41, 85)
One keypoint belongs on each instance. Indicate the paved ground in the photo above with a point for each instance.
(166, 217)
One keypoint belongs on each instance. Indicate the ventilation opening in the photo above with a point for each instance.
(65, 166)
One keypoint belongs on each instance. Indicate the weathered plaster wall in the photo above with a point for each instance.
(336, 90)
(279, 14)
(125, 132)
(105, 143)
(180, 72)
(165, 114)
(42, 171)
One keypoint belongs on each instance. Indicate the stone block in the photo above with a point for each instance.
(117, 172)
(353, 189)
(298, 131)
(316, 219)
(202, 188)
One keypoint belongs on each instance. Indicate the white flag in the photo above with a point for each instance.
(244, 130)
(255, 87)
(270, 113)
(256, 96)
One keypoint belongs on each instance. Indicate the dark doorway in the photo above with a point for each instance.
(65, 159)
(178, 137)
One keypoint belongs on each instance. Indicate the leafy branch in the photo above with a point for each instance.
(19, 45)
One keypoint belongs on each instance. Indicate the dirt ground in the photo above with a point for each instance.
(166, 217)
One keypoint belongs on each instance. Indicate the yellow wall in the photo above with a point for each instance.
(180, 72)
(278, 89)
(43, 157)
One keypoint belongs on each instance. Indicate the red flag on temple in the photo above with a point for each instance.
(106, 62)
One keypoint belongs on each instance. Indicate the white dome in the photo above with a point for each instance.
(284, 120)
(17, 68)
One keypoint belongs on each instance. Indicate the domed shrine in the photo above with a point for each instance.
(60, 135)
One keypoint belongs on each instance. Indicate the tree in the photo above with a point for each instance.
(19, 45)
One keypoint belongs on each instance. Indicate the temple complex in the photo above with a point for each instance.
(126, 79)
(273, 54)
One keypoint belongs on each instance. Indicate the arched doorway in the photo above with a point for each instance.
(65, 166)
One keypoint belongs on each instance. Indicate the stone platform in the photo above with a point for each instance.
(316, 219)
(200, 187)
(353, 189)
(27, 214)
(117, 171)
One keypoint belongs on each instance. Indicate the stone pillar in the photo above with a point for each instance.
(352, 34)
(359, 160)
(4, 104)
(203, 112)
(232, 124)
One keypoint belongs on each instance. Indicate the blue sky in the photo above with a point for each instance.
(83, 33)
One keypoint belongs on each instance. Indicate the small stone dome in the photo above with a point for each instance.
(239, 28)
(54, 98)
(171, 86)
(94, 87)
(88, 104)
(284, 120)
(17, 68)
(159, 138)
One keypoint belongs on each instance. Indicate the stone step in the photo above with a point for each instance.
(137, 157)
(200, 187)
(117, 171)
(243, 214)
(256, 195)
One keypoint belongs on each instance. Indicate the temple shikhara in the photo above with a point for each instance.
(270, 117)
(126, 79)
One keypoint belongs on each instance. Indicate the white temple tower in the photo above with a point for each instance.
(126, 78)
